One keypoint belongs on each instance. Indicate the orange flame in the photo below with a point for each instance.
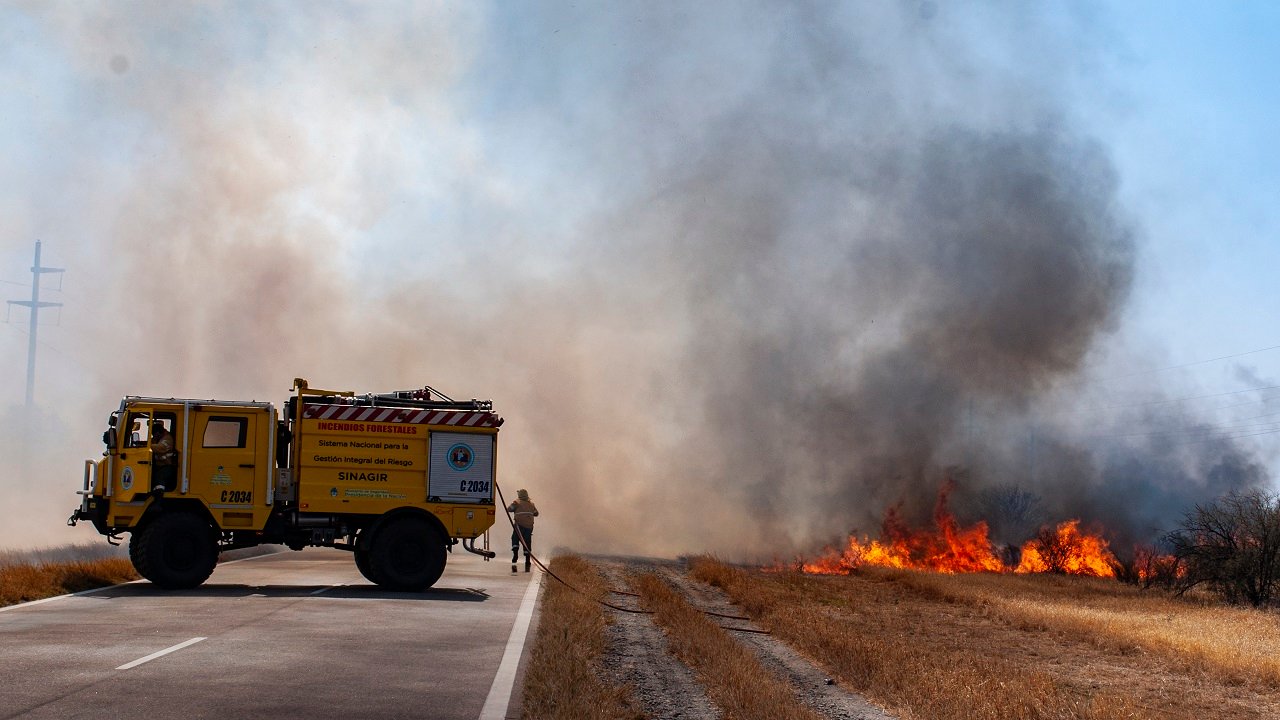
(947, 548)
(1151, 566)
(950, 548)
(1066, 549)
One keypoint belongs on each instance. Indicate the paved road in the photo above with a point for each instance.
(290, 635)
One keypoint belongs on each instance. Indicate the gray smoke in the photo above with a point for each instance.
(738, 275)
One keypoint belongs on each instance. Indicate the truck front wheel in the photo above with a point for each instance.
(175, 551)
(407, 554)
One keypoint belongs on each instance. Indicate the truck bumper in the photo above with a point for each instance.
(94, 510)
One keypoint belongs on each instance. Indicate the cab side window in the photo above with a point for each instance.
(225, 432)
(138, 428)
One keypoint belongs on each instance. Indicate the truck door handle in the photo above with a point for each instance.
(144, 462)
(246, 465)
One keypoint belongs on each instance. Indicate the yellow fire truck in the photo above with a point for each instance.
(397, 478)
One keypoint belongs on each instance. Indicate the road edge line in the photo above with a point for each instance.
(495, 705)
(29, 603)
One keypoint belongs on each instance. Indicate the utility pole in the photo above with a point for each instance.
(35, 304)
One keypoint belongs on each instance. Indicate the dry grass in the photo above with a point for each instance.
(927, 647)
(72, 551)
(733, 677)
(36, 574)
(1237, 645)
(563, 679)
(23, 581)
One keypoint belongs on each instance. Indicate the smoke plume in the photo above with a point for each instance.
(739, 276)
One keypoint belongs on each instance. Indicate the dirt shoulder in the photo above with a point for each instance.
(927, 654)
(639, 652)
(878, 645)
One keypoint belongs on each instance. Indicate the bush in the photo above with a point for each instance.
(1150, 567)
(1231, 546)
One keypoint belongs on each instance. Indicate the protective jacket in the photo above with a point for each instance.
(524, 512)
(162, 449)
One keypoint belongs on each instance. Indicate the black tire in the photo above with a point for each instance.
(362, 555)
(362, 564)
(406, 554)
(175, 551)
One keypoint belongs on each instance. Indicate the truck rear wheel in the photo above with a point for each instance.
(175, 551)
(362, 563)
(407, 554)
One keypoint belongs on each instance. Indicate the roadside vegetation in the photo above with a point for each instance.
(564, 678)
(1231, 547)
(1239, 646)
(732, 675)
(38, 574)
(27, 575)
(928, 645)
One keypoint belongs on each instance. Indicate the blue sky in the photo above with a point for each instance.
(1192, 129)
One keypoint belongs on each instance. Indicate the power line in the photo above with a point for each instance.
(1222, 438)
(1169, 401)
(1199, 362)
(1192, 430)
(1224, 357)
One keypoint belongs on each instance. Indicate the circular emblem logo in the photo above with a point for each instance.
(126, 478)
(460, 456)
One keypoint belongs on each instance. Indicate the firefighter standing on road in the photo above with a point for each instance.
(524, 511)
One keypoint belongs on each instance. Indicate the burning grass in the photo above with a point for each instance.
(41, 574)
(950, 547)
(733, 677)
(929, 645)
(563, 679)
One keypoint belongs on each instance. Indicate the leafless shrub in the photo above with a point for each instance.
(1150, 568)
(1011, 512)
(1231, 546)
(1053, 549)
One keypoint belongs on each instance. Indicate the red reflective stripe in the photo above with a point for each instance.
(400, 415)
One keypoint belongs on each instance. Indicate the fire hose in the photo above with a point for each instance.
(516, 534)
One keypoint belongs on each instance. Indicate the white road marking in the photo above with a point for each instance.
(41, 601)
(161, 653)
(495, 706)
(327, 589)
